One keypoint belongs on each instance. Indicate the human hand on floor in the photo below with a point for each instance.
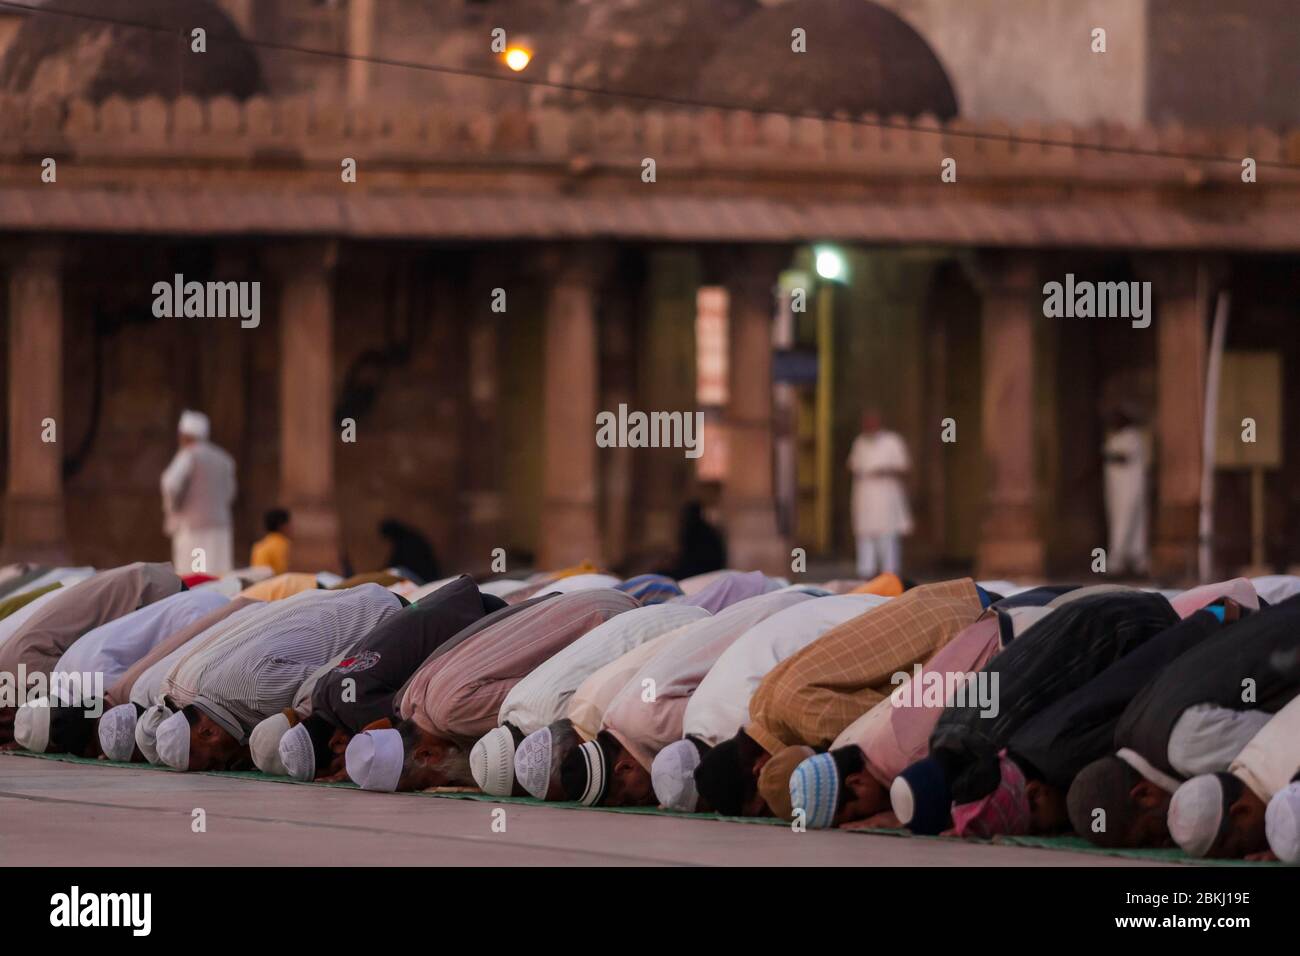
(885, 820)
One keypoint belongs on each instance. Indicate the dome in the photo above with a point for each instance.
(651, 48)
(66, 57)
(861, 58)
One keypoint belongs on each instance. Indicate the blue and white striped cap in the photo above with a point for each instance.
(815, 788)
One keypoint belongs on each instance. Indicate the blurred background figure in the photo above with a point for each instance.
(878, 461)
(1127, 459)
(410, 551)
(198, 488)
(272, 549)
(700, 546)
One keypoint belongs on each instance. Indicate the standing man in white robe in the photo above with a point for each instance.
(879, 461)
(198, 489)
(1127, 457)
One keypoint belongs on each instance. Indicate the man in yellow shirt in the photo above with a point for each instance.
(273, 550)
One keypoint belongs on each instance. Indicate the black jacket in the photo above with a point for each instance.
(393, 651)
(1080, 727)
(1263, 648)
(1059, 654)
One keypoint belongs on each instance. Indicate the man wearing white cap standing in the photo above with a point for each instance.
(198, 488)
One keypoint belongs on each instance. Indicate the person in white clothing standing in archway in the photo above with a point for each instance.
(879, 462)
(198, 489)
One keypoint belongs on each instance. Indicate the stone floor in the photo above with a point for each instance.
(79, 815)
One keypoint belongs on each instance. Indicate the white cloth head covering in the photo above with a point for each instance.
(117, 732)
(195, 425)
(1282, 823)
(264, 744)
(1195, 813)
(492, 762)
(32, 725)
(672, 774)
(297, 753)
(374, 760)
(173, 741)
(533, 763)
(146, 731)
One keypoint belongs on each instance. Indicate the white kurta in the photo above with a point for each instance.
(720, 705)
(879, 502)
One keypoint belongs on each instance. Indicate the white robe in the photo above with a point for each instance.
(879, 502)
(1126, 498)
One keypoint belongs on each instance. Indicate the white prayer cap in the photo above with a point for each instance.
(297, 752)
(173, 741)
(533, 763)
(1195, 813)
(374, 760)
(195, 425)
(492, 762)
(594, 767)
(673, 776)
(117, 732)
(146, 731)
(1282, 823)
(32, 725)
(264, 744)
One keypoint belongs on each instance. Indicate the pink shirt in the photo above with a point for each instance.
(895, 733)
(459, 694)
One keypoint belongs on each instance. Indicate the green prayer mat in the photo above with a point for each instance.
(1070, 844)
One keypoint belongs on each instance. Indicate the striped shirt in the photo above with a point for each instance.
(255, 669)
(113, 647)
(170, 647)
(543, 696)
(150, 685)
(459, 694)
(810, 697)
(720, 705)
(644, 726)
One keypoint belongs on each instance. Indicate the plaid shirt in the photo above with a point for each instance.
(812, 696)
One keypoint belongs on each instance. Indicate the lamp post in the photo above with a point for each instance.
(831, 270)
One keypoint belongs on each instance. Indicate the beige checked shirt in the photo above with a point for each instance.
(813, 695)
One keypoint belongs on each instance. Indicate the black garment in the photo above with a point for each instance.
(1263, 648)
(1060, 653)
(390, 653)
(700, 546)
(411, 550)
(1080, 727)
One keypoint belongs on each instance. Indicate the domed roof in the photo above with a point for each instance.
(861, 58)
(65, 57)
(650, 48)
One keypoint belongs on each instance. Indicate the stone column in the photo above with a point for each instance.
(748, 498)
(1011, 544)
(570, 526)
(34, 523)
(360, 43)
(309, 435)
(1179, 323)
(666, 381)
(481, 500)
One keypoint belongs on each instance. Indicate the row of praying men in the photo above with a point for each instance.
(1132, 718)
